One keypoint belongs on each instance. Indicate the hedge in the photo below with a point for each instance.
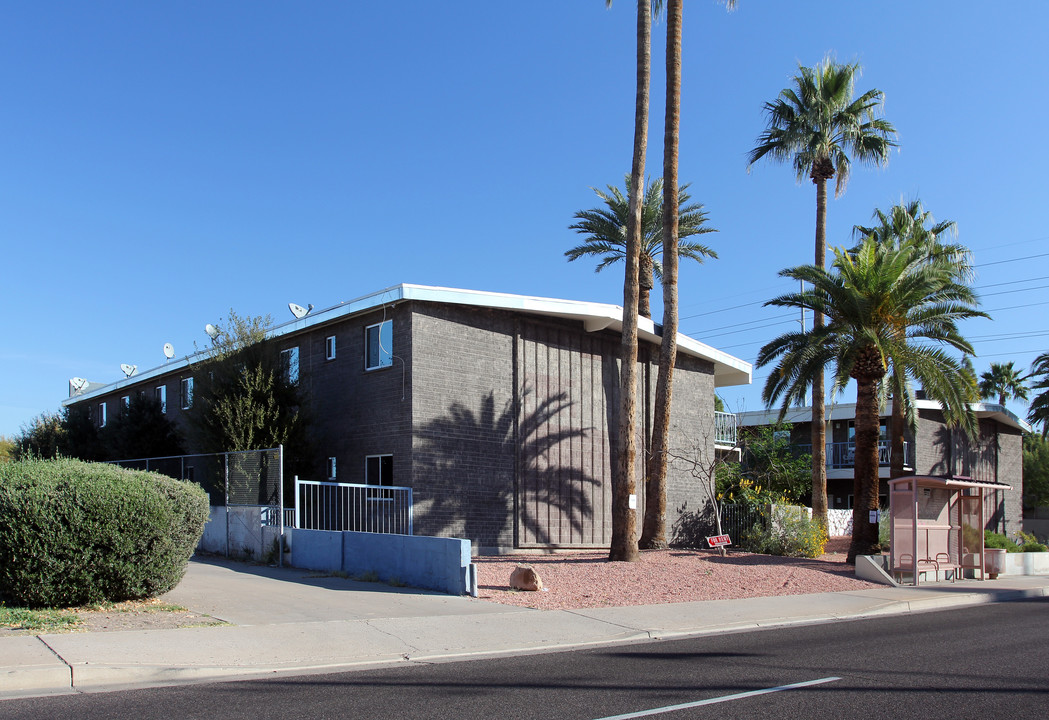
(74, 533)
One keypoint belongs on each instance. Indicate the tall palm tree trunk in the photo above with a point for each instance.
(822, 171)
(654, 532)
(646, 282)
(624, 526)
(865, 482)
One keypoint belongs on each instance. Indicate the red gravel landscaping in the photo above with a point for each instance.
(588, 580)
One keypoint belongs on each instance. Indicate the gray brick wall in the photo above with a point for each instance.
(463, 424)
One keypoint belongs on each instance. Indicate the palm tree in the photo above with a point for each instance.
(653, 533)
(624, 525)
(1004, 381)
(884, 306)
(605, 231)
(910, 224)
(1038, 412)
(815, 126)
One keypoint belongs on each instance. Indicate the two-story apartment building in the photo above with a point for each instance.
(933, 449)
(498, 410)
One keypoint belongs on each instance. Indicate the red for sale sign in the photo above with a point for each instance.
(718, 541)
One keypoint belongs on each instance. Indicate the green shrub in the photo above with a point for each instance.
(73, 533)
(998, 540)
(1029, 543)
(793, 534)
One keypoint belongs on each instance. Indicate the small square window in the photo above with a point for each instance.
(378, 345)
(329, 348)
(186, 393)
(161, 394)
(289, 363)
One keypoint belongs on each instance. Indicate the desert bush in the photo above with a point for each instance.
(73, 532)
(791, 532)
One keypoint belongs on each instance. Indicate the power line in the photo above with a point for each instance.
(1000, 262)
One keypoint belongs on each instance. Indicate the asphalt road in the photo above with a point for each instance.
(982, 662)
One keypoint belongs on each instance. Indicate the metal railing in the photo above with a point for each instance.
(321, 505)
(725, 426)
(842, 455)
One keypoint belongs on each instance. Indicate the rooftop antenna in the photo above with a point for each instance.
(129, 370)
(212, 331)
(76, 385)
(299, 311)
(169, 350)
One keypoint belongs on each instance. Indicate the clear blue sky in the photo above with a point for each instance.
(162, 163)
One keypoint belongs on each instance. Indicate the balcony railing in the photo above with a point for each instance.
(842, 455)
(724, 428)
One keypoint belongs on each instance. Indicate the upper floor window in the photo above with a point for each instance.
(329, 348)
(331, 468)
(186, 393)
(101, 414)
(289, 364)
(125, 403)
(378, 345)
(161, 394)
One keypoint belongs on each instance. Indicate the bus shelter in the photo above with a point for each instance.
(937, 525)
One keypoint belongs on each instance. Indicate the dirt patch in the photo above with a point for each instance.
(151, 614)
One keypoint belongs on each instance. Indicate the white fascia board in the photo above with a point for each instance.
(833, 411)
(993, 411)
(728, 370)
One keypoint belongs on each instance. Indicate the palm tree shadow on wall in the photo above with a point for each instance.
(468, 456)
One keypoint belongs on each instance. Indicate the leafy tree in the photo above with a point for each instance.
(1003, 381)
(7, 449)
(911, 225)
(769, 464)
(885, 306)
(243, 398)
(141, 430)
(816, 125)
(81, 435)
(605, 232)
(1036, 470)
(1038, 411)
(42, 437)
(653, 533)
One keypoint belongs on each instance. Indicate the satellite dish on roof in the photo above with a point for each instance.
(169, 350)
(76, 385)
(299, 311)
(129, 370)
(212, 331)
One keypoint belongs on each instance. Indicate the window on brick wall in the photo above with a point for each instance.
(161, 394)
(378, 345)
(101, 414)
(125, 403)
(289, 363)
(329, 348)
(186, 393)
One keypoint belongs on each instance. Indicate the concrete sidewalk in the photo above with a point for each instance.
(286, 622)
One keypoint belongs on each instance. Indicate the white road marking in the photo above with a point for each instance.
(724, 698)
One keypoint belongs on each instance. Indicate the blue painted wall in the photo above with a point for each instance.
(431, 563)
